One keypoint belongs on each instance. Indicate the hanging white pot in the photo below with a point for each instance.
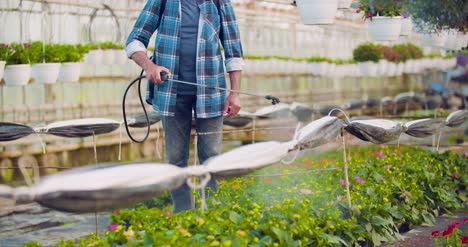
(344, 4)
(94, 57)
(45, 73)
(382, 67)
(17, 75)
(434, 39)
(315, 12)
(368, 68)
(406, 27)
(383, 28)
(108, 57)
(70, 72)
(2, 69)
(120, 57)
(451, 42)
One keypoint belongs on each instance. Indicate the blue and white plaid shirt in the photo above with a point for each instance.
(214, 29)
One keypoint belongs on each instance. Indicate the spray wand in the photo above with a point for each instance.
(166, 77)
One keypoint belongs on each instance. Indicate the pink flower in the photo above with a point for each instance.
(341, 198)
(342, 182)
(360, 180)
(465, 221)
(27, 45)
(388, 167)
(117, 212)
(447, 233)
(113, 227)
(369, 15)
(454, 226)
(464, 240)
(381, 156)
(435, 234)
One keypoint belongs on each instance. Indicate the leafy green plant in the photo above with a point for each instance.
(391, 54)
(5, 52)
(20, 54)
(390, 188)
(110, 46)
(372, 8)
(415, 52)
(40, 53)
(436, 15)
(367, 52)
(70, 53)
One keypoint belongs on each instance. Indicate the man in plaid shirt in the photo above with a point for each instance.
(189, 37)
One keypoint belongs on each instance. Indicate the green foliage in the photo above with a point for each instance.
(367, 52)
(391, 54)
(70, 53)
(110, 46)
(5, 52)
(389, 187)
(19, 54)
(436, 15)
(371, 8)
(44, 53)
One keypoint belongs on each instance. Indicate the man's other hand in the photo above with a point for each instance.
(232, 105)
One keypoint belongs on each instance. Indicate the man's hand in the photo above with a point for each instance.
(232, 105)
(153, 71)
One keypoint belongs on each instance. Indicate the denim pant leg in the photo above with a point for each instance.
(177, 138)
(209, 145)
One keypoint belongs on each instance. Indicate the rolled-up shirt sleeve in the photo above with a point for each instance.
(145, 26)
(230, 37)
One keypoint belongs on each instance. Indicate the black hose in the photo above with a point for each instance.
(142, 105)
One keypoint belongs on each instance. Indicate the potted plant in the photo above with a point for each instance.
(45, 61)
(71, 58)
(384, 17)
(18, 69)
(94, 55)
(406, 25)
(315, 12)
(5, 52)
(367, 56)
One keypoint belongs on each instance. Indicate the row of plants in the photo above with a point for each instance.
(388, 20)
(398, 53)
(52, 62)
(392, 189)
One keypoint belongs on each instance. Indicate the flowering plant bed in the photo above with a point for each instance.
(391, 190)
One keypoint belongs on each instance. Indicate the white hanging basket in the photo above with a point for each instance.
(451, 41)
(434, 39)
(108, 57)
(45, 73)
(368, 69)
(120, 57)
(315, 12)
(406, 27)
(344, 4)
(2, 69)
(383, 28)
(94, 57)
(17, 75)
(70, 72)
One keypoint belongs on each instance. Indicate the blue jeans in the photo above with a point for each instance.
(177, 136)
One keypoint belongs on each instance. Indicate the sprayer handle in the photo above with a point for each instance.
(164, 76)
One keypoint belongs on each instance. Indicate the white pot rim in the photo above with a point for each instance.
(46, 64)
(386, 17)
(18, 65)
(71, 63)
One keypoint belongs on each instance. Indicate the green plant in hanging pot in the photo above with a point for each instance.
(18, 69)
(71, 58)
(5, 53)
(45, 60)
(367, 55)
(384, 18)
(95, 54)
(111, 52)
